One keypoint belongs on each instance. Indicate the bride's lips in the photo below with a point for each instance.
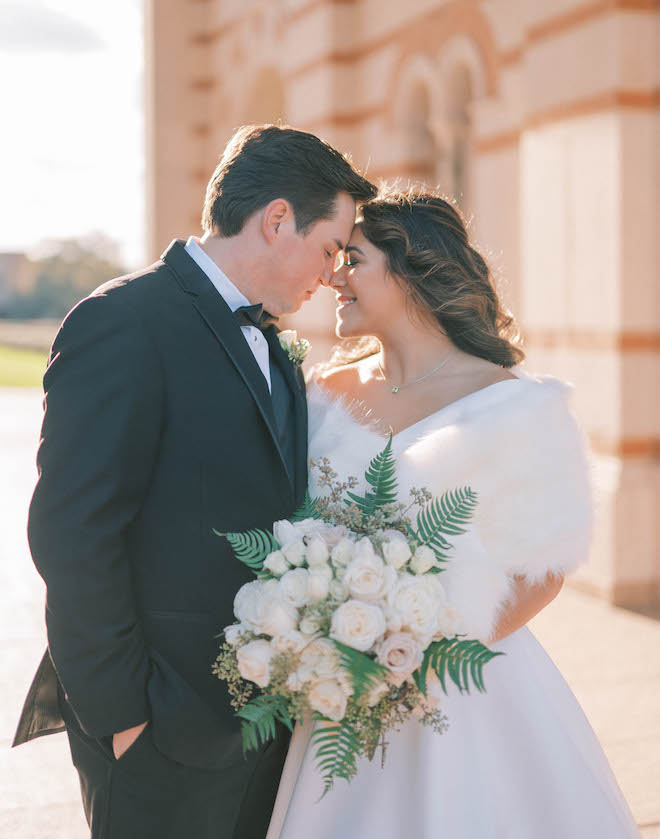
(344, 300)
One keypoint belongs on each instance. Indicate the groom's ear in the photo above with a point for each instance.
(277, 214)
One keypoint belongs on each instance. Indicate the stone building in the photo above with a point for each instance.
(539, 116)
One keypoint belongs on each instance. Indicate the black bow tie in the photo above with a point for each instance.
(254, 315)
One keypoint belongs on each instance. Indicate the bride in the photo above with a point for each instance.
(434, 360)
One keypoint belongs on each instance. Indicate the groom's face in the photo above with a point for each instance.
(302, 264)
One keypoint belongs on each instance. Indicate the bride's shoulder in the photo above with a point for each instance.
(338, 380)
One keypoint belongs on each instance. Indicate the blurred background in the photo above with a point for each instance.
(540, 117)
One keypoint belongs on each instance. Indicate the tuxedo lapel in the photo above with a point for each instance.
(222, 323)
(295, 380)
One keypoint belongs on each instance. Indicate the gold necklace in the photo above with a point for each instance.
(397, 388)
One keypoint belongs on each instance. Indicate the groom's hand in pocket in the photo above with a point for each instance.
(123, 740)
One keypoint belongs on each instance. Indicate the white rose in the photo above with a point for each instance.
(423, 560)
(415, 600)
(334, 535)
(295, 552)
(287, 338)
(289, 642)
(319, 659)
(328, 698)
(367, 577)
(310, 624)
(284, 532)
(276, 563)
(260, 607)
(309, 527)
(233, 633)
(294, 586)
(254, 662)
(402, 654)
(338, 591)
(396, 550)
(358, 624)
(317, 552)
(319, 583)
(246, 604)
(364, 548)
(342, 553)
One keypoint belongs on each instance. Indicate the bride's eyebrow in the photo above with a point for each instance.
(355, 248)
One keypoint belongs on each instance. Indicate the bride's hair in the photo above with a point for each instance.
(426, 247)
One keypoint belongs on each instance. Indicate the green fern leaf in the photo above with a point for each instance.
(338, 747)
(251, 547)
(448, 515)
(381, 475)
(462, 661)
(259, 718)
(307, 509)
(364, 672)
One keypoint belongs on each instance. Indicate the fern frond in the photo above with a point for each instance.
(461, 660)
(259, 718)
(445, 516)
(307, 509)
(338, 747)
(381, 474)
(251, 547)
(364, 672)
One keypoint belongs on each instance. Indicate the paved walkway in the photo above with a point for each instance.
(610, 657)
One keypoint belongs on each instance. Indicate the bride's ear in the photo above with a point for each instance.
(276, 216)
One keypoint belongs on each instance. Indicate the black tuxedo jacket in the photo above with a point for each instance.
(158, 428)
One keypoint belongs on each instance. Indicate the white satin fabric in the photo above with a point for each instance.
(520, 761)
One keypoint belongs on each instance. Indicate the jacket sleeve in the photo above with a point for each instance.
(99, 441)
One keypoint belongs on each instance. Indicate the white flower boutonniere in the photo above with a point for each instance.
(296, 349)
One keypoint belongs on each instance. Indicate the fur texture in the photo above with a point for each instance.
(518, 446)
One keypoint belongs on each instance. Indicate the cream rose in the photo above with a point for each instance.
(317, 552)
(358, 624)
(318, 659)
(319, 583)
(284, 532)
(423, 560)
(254, 662)
(415, 600)
(260, 607)
(396, 550)
(289, 642)
(342, 553)
(295, 552)
(294, 587)
(287, 338)
(338, 591)
(310, 624)
(328, 698)
(367, 577)
(401, 654)
(233, 633)
(276, 563)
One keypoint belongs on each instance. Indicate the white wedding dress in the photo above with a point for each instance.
(519, 761)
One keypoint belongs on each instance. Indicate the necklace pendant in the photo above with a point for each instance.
(395, 390)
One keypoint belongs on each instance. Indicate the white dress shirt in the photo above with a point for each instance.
(234, 298)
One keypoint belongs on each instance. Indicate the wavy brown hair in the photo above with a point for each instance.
(427, 251)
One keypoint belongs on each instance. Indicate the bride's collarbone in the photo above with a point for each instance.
(376, 402)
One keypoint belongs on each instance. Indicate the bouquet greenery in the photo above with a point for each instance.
(347, 617)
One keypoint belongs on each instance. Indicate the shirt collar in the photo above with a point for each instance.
(232, 296)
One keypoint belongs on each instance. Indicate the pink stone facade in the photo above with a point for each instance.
(540, 116)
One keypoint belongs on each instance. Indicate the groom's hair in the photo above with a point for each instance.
(265, 162)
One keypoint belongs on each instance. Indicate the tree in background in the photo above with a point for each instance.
(65, 271)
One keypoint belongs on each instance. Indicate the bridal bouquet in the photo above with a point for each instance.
(347, 616)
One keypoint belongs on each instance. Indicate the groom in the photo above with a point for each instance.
(172, 410)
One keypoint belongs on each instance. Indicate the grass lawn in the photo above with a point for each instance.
(21, 368)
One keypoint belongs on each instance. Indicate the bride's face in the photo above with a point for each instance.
(369, 300)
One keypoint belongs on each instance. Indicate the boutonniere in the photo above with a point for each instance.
(296, 349)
